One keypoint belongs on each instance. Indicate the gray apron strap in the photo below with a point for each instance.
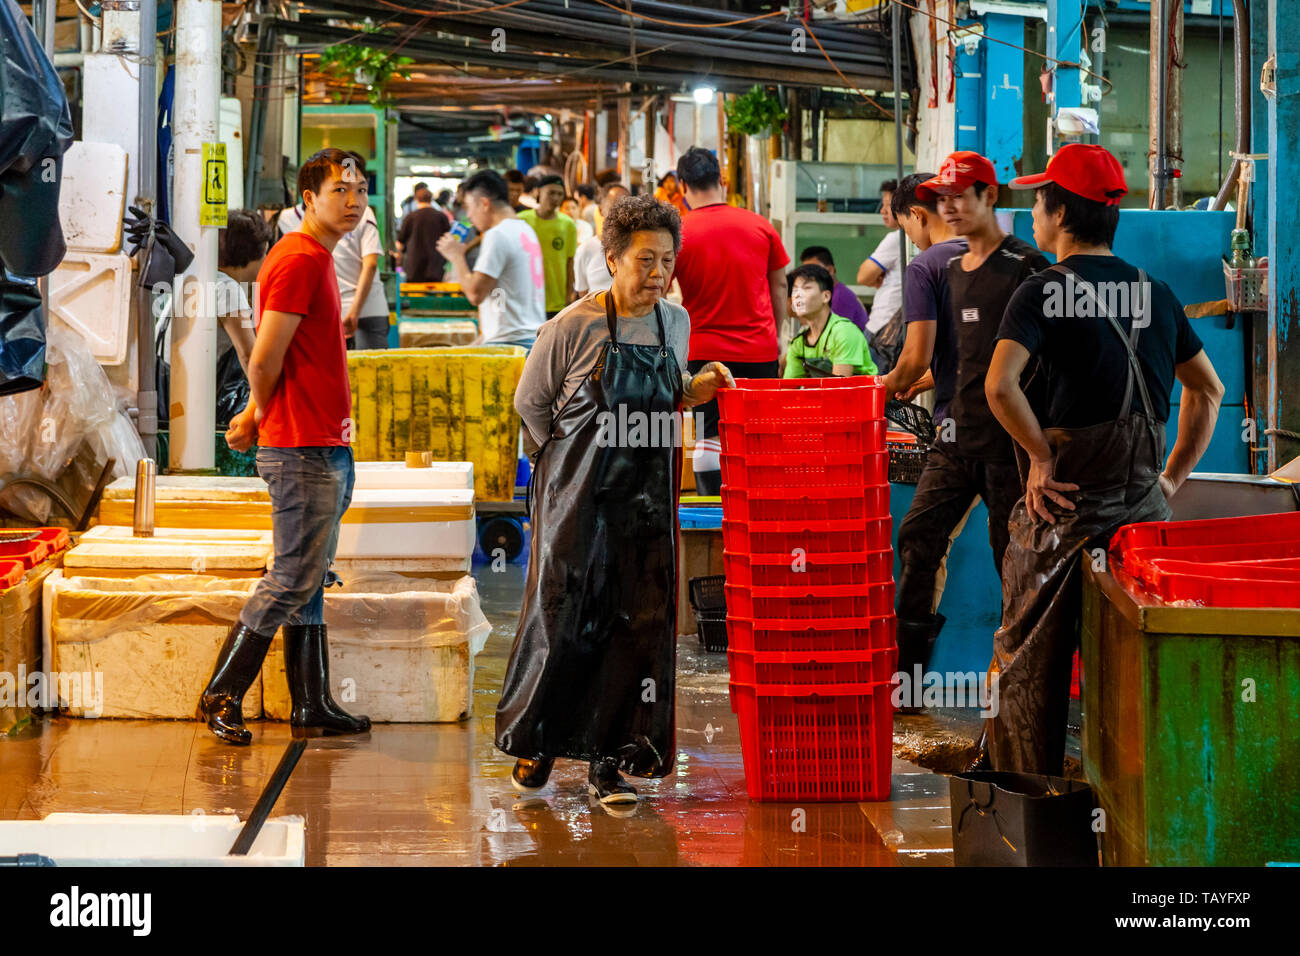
(1130, 340)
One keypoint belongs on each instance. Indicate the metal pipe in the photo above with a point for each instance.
(147, 186)
(1159, 166)
(194, 326)
(1242, 92)
(257, 115)
(896, 43)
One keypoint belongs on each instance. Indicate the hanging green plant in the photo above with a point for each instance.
(756, 113)
(365, 66)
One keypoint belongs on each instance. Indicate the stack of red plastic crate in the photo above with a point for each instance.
(810, 590)
(1218, 562)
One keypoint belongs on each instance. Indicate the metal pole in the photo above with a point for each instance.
(194, 325)
(47, 26)
(897, 40)
(147, 157)
(1160, 172)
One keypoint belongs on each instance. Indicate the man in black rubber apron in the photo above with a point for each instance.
(591, 674)
(1110, 342)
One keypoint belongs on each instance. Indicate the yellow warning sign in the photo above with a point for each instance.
(212, 210)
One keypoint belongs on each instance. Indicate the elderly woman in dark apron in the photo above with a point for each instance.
(591, 673)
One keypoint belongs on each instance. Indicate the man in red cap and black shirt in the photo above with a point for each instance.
(972, 456)
(1109, 342)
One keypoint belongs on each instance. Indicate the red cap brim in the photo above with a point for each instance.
(1029, 182)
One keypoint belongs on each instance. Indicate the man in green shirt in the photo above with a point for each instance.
(558, 235)
(829, 344)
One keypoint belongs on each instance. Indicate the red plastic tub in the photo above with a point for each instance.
(46, 542)
(814, 537)
(811, 603)
(811, 437)
(11, 573)
(835, 744)
(1253, 529)
(768, 635)
(802, 403)
(806, 504)
(812, 670)
(1138, 561)
(855, 470)
(808, 569)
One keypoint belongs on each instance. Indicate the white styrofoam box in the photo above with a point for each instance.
(192, 487)
(212, 555)
(395, 474)
(401, 649)
(154, 639)
(92, 196)
(408, 523)
(90, 293)
(152, 839)
(183, 536)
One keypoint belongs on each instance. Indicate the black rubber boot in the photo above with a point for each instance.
(607, 785)
(306, 664)
(531, 775)
(237, 667)
(915, 643)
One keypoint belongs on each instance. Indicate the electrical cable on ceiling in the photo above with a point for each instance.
(887, 113)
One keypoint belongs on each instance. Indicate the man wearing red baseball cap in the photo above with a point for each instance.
(972, 457)
(1110, 342)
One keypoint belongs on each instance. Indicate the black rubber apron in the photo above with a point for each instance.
(1117, 467)
(591, 673)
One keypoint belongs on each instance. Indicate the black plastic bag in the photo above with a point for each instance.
(1021, 819)
(35, 131)
(22, 335)
(233, 390)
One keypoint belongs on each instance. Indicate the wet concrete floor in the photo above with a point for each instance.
(440, 794)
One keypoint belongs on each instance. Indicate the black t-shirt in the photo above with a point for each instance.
(1083, 360)
(419, 235)
(979, 299)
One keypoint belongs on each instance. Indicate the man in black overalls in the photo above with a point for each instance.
(973, 455)
(1109, 342)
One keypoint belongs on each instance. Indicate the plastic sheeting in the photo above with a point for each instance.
(35, 131)
(41, 431)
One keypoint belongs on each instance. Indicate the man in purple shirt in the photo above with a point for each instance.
(843, 301)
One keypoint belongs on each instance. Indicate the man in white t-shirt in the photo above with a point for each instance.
(881, 269)
(508, 282)
(590, 273)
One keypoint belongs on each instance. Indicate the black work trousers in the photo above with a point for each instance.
(947, 487)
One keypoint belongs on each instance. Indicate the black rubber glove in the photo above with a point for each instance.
(167, 256)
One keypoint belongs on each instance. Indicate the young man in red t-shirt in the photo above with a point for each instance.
(300, 414)
(731, 269)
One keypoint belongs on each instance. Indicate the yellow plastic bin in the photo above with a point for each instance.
(457, 402)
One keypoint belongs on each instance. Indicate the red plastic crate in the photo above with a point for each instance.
(768, 635)
(1264, 563)
(814, 537)
(810, 603)
(812, 670)
(1210, 531)
(803, 403)
(1165, 567)
(810, 569)
(47, 542)
(810, 438)
(806, 504)
(857, 470)
(1138, 561)
(1074, 677)
(837, 744)
(11, 573)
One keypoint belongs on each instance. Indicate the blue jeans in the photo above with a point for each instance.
(310, 489)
